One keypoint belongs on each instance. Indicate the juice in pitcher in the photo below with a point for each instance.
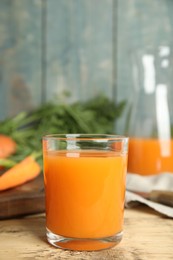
(149, 156)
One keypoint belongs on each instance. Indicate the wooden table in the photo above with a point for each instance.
(147, 235)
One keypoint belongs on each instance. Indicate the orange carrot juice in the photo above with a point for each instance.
(150, 156)
(84, 193)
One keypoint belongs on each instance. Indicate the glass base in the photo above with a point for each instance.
(83, 244)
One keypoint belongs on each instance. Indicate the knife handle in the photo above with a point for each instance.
(164, 197)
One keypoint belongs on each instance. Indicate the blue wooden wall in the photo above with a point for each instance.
(20, 55)
(51, 47)
(78, 48)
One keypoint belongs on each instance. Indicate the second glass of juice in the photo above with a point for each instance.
(84, 178)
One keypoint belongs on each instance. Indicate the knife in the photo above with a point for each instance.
(160, 196)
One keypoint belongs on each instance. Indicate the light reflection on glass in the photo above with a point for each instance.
(163, 119)
(149, 73)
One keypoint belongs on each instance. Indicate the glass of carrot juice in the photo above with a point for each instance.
(84, 177)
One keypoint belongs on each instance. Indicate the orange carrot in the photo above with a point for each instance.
(20, 173)
(7, 146)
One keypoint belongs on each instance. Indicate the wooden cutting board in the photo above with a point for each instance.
(23, 200)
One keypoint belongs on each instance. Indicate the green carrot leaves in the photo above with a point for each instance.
(94, 116)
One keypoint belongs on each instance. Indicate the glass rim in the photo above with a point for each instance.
(85, 137)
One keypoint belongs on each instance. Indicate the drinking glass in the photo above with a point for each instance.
(84, 177)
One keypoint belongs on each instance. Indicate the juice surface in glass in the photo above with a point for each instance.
(149, 156)
(85, 193)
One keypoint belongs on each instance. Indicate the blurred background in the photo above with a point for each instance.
(75, 49)
(85, 66)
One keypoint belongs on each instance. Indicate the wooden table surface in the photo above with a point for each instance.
(147, 235)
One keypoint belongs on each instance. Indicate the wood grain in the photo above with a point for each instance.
(51, 47)
(23, 200)
(20, 56)
(79, 48)
(146, 236)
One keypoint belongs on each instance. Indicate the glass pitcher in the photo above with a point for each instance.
(151, 118)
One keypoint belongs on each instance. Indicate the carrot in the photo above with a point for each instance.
(7, 146)
(20, 173)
